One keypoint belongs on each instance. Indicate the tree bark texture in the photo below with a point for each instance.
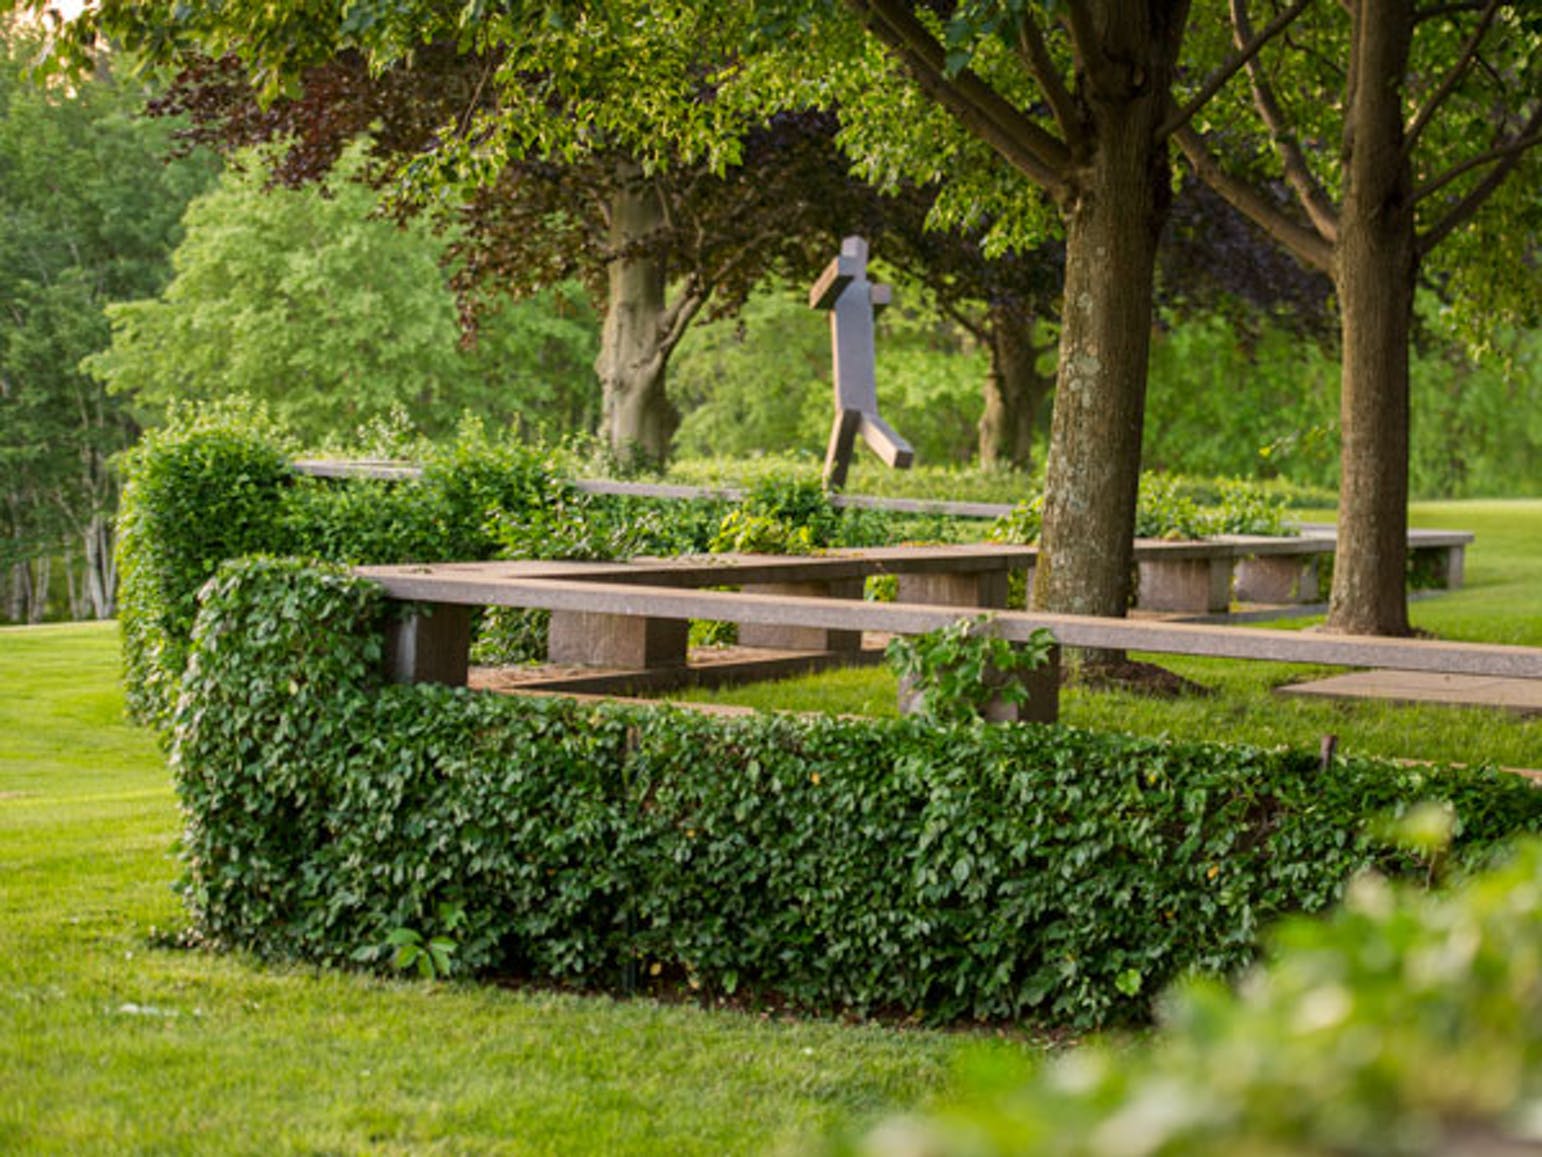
(1014, 391)
(1375, 269)
(638, 419)
(1113, 219)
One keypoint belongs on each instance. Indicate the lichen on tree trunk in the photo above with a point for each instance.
(1112, 224)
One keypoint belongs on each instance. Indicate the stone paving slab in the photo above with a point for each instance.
(1523, 696)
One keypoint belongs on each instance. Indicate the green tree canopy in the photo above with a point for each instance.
(335, 318)
(90, 210)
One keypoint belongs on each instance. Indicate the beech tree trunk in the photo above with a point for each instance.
(1014, 391)
(639, 421)
(1112, 220)
(41, 571)
(1376, 266)
(101, 575)
(18, 587)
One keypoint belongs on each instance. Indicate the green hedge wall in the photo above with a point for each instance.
(958, 872)
(1407, 1023)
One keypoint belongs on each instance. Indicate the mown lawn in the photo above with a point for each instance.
(110, 1042)
(1501, 602)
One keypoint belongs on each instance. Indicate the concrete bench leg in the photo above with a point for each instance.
(1198, 585)
(1043, 704)
(779, 638)
(624, 642)
(430, 645)
(977, 589)
(1279, 578)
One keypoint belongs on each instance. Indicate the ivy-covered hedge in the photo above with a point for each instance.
(192, 498)
(959, 872)
(1408, 1023)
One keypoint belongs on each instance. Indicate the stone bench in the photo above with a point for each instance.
(968, 576)
(1206, 576)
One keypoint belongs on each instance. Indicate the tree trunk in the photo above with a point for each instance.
(41, 580)
(1376, 265)
(101, 568)
(1014, 391)
(639, 420)
(18, 588)
(1112, 220)
(74, 587)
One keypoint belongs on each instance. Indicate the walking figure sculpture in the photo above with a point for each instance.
(853, 302)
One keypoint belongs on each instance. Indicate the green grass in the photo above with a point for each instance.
(110, 1043)
(1501, 602)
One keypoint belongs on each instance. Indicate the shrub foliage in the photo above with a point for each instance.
(954, 871)
(1405, 1024)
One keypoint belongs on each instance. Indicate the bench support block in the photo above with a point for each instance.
(1445, 564)
(1201, 585)
(430, 645)
(979, 589)
(779, 638)
(593, 639)
(1277, 578)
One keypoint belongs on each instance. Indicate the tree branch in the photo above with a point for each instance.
(1217, 80)
(1448, 83)
(1084, 36)
(1298, 174)
(1504, 158)
(678, 317)
(1024, 144)
(1304, 243)
(1035, 53)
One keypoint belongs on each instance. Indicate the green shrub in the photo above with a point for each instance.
(217, 485)
(953, 871)
(1172, 507)
(1407, 1023)
(957, 672)
(202, 490)
(780, 515)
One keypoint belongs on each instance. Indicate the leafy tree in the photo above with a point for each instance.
(656, 245)
(1076, 101)
(335, 318)
(91, 216)
(1391, 126)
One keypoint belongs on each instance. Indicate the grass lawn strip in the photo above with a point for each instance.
(111, 1044)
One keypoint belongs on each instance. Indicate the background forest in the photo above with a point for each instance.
(136, 275)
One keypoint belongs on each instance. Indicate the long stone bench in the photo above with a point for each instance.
(433, 645)
(969, 576)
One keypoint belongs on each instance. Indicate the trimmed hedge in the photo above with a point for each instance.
(875, 865)
(1408, 1023)
(192, 498)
